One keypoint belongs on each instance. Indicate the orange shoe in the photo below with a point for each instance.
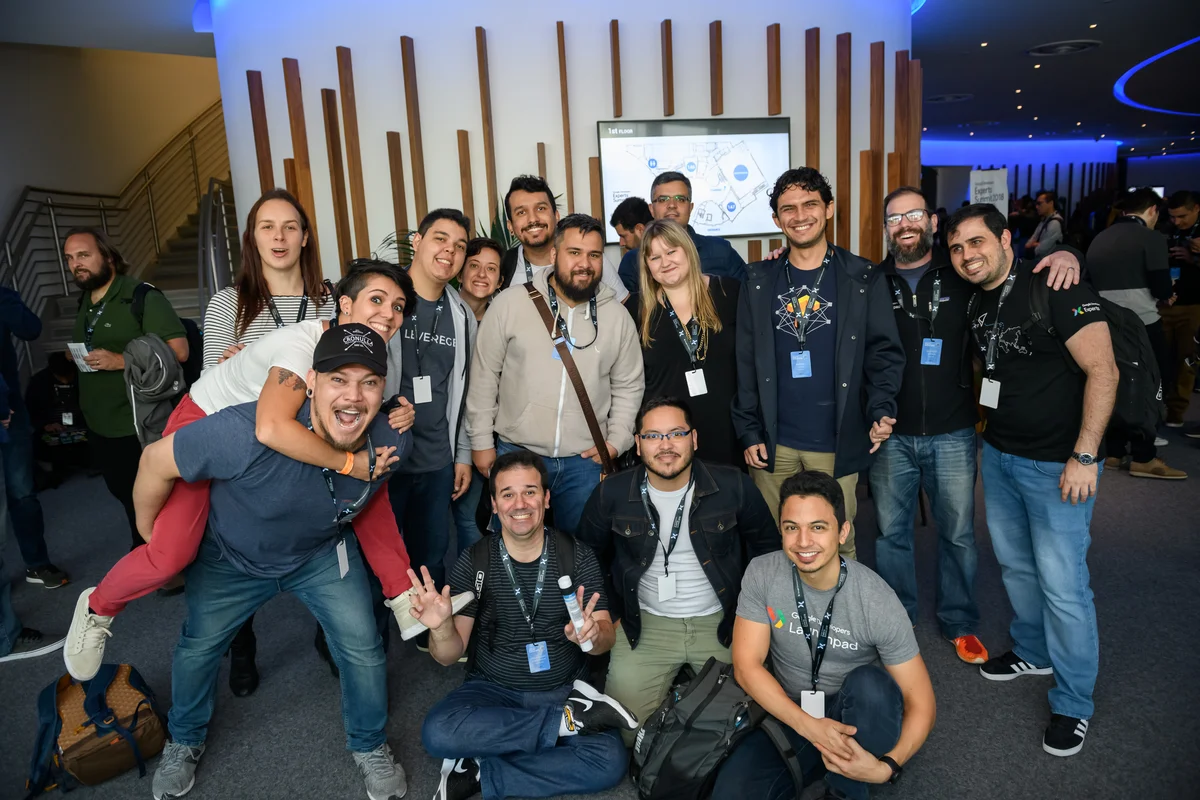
(970, 649)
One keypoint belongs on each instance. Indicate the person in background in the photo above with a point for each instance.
(1181, 318)
(686, 324)
(629, 219)
(52, 398)
(1050, 230)
(671, 198)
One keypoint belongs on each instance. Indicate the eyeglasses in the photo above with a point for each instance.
(663, 199)
(665, 437)
(916, 215)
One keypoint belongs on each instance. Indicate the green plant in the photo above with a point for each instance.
(396, 248)
(499, 232)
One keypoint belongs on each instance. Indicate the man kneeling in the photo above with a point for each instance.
(513, 728)
(843, 714)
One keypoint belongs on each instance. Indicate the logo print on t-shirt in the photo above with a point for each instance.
(792, 309)
(1009, 339)
(777, 616)
(356, 339)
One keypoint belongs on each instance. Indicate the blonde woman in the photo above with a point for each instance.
(686, 322)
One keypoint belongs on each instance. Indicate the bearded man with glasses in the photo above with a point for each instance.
(673, 536)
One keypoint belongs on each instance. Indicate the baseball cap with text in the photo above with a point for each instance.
(352, 343)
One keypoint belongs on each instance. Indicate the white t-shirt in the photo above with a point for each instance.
(694, 595)
(608, 275)
(240, 379)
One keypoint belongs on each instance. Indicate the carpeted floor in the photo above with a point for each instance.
(286, 741)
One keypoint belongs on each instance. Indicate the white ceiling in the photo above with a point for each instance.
(149, 26)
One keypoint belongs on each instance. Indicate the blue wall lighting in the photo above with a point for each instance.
(1119, 86)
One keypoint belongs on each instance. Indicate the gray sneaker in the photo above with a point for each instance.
(176, 773)
(385, 778)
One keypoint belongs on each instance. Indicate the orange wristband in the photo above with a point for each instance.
(349, 465)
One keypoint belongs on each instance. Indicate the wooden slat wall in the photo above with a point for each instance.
(464, 176)
(753, 250)
(870, 179)
(541, 156)
(912, 160)
(842, 206)
(614, 41)
(262, 137)
(812, 97)
(1042, 185)
(895, 175)
(594, 184)
(1016, 172)
(775, 244)
(489, 139)
(1029, 180)
(898, 175)
(303, 167)
(289, 178)
(716, 69)
(566, 116)
(337, 178)
(412, 106)
(668, 69)
(396, 172)
(774, 92)
(358, 192)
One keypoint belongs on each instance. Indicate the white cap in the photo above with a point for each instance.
(564, 582)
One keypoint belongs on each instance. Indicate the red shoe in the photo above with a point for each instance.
(970, 649)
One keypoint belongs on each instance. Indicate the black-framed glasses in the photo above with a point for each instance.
(916, 215)
(663, 199)
(673, 436)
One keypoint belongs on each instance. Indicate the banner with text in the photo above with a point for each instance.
(990, 186)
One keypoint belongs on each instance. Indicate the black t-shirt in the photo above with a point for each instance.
(807, 406)
(431, 430)
(1187, 286)
(501, 657)
(1041, 393)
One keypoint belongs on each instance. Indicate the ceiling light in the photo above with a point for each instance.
(1172, 144)
(1031, 136)
(1092, 25)
(1131, 149)
(983, 44)
(1018, 91)
(972, 133)
(1101, 136)
(1019, 108)
(1077, 124)
(1035, 119)
(1143, 124)
(924, 129)
(1037, 66)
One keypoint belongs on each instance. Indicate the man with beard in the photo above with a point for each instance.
(532, 214)
(520, 394)
(673, 537)
(933, 444)
(819, 361)
(105, 324)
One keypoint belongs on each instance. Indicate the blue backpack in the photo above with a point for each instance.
(95, 730)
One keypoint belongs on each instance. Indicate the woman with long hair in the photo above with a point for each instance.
(686, 322)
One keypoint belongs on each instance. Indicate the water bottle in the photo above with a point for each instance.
(565, 585)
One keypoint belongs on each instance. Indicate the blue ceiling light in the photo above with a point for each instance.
(202, 17)
(1119, 86)
(916, 5)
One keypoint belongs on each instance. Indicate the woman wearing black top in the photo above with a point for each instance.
(686, 321)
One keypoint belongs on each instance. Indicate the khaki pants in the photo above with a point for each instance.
(787, 463)
(1179, 328)
(640, 678)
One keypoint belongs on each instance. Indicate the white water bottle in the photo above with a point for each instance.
(564, 585)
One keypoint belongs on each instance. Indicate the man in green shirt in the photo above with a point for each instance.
(105, 324)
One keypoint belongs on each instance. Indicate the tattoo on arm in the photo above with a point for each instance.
(297, 383)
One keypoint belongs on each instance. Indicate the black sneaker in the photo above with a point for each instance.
(32, 643)
(48, 576)
(1065, 735)
(590, 711)
(1009, 666)
(243, 671)
(1194, 431)
(460, 779)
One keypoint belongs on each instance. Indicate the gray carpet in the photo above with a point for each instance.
(286, 741)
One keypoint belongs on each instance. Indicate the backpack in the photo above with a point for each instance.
(679, 749)
(94, 730)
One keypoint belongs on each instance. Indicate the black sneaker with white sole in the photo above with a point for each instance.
(1064, 737)
(459, 781)
(1009, 666)
(590, 711)
(48, 576)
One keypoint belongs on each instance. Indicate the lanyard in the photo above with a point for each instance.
(801, 323)
(90, 325)
(934, 301)
(279, 323)
(552, 296)
(506, 560)
(689, 337)
(818, 655)
(437, 317)
(993, 333)
(341, 515)
(525, 263)
(650, 516)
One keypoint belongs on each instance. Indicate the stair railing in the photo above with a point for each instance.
(218, 241)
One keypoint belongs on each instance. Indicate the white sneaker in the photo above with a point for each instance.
(410, 626)
(84, 650)
(1160, 442)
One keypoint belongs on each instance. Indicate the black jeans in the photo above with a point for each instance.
(117, 459)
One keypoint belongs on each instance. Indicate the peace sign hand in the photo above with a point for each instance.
(428, 605)
(590, 629)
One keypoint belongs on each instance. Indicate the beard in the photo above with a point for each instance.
(575, 294)
(817, 237)
(95, 281)
(685, 461)
(919, 250)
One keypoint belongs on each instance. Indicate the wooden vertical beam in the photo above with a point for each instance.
(912, 160)
(843, 193)
(262, 137)
(566, 116)
(812, 97)
(303, 167)
(541, 155)
(877, 99)
(594, 185)
(895, 175)
(337, 178)
(668, 69)
(902, 127)
(396, 172)
(464, 176)
(869, 201)
(614, 39)
(753, 251)
(774, 244)
(289, 177)
(489, 140)
(774, 75)
(716, 69)
(358, 192)
(413, 107)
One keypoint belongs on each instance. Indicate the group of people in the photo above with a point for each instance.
(743, 402)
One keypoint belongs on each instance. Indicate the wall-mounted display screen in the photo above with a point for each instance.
(731, 163)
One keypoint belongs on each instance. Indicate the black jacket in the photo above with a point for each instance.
(869, 361)
(933, 399)
(728, 521)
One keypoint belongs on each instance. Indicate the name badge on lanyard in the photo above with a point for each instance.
(801, 364)
(931, 352)
(694, 341)
(695, 382)
(422, 383)
(422, 390)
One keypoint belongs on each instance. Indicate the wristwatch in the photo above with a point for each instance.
(894, 767)
(1087, 459)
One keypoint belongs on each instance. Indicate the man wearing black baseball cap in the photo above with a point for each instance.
(276, 524)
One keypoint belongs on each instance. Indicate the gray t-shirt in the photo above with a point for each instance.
(431, 434)
(912, 275)
(869, 625)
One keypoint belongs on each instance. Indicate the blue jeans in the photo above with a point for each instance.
(220, 598)
(514, 737)
(23, 504)
(944, 465)
(10, 626)
(572, 481)
(1041, 543)
(465, 526)
(869, 700)
(425, 522)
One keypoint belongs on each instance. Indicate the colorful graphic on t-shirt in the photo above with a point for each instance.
(777, 616)
(792, 309)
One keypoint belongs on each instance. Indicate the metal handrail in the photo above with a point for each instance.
(218, 235)
(214, 112)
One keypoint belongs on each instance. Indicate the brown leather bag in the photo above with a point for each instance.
(607, 467)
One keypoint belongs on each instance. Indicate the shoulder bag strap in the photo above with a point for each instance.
(775, 733)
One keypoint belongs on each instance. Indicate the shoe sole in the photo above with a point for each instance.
(457, 604)
(186, 789)
(973, 660)
(444, 778)
(41, 651)
(1174, 424)
(588, 691)
(42, 583)
(1062, 753)
(1133, 474)
(1015, 675)
(76, 620)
